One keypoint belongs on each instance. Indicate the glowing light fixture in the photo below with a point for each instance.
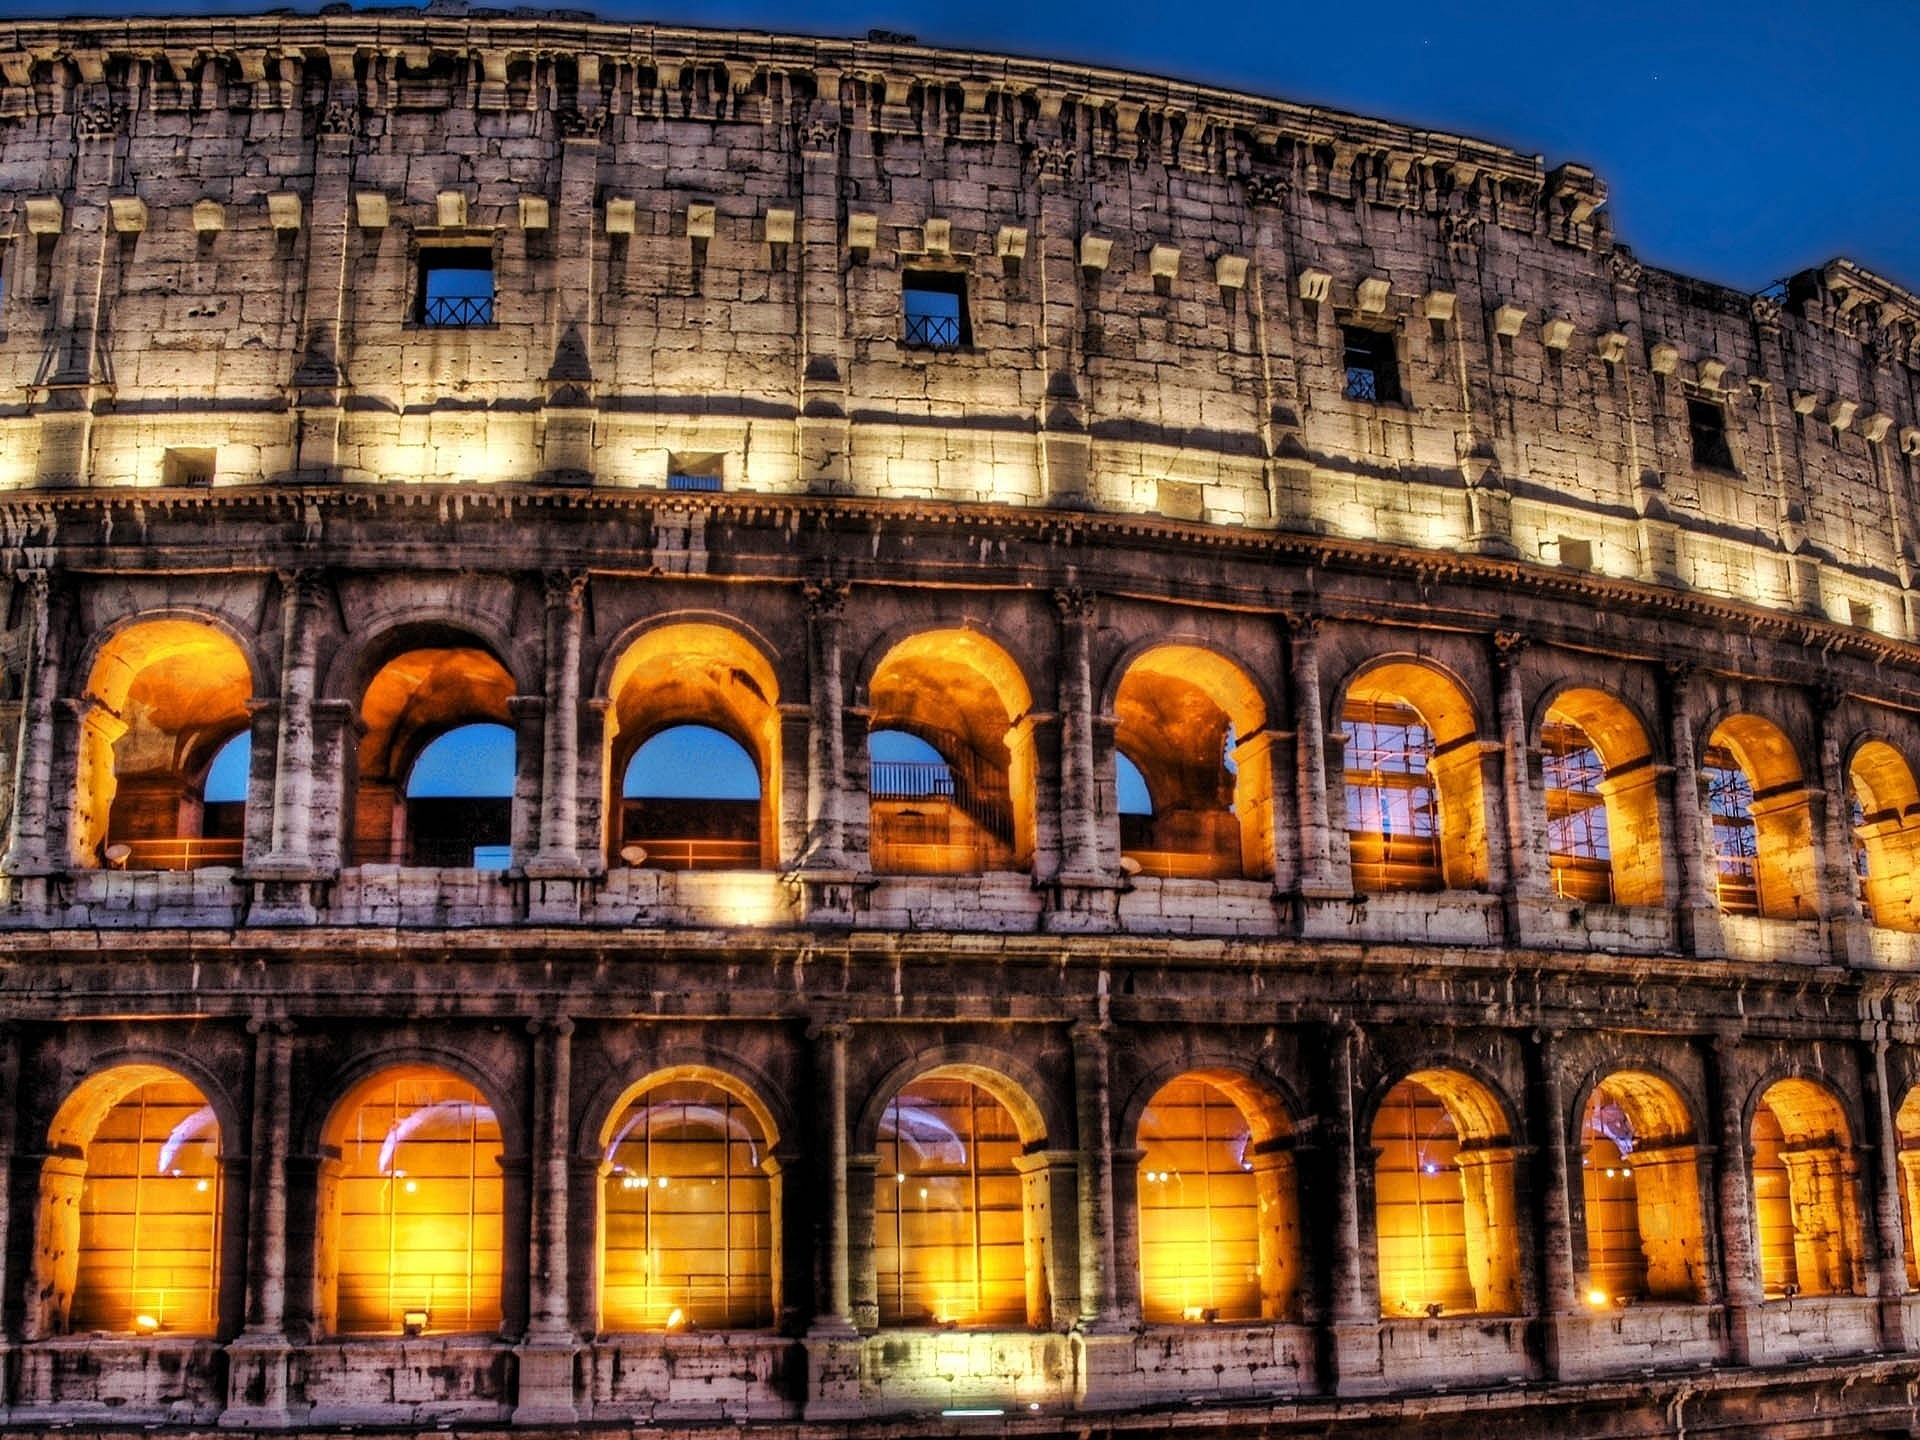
(413, 1322)
(979, 1414)
(146, 1324)
(1596, 1297)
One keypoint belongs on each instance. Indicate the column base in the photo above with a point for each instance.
(1082, 904)
(834, 1351)
(554, 899)
(258, 1385)
(1107, 1367)
(831, 897)
(1354, 1353)
(1850, 941)
(544, 1395)
(1746, 1345)
(1893, 1324)
(283, 900)
(1698, 930)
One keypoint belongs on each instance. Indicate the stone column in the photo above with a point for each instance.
(257, 1371)
(832, 1342)
(319, 378)
(1559, 1271)
(78, 367)
(1739, 1261)
(554, 873)
(1322, 864)
(1353, 1302)
(1529, 871)
(1849, 940)
(567, 414)
(546, 1355)
(823, 424)
(289, 862)
(1889, 1255)
(28, 854)
(9, 1141)
(1093, 1101)
(1699, 913)
(827, 794)
(1065, 446)
(1079, 784)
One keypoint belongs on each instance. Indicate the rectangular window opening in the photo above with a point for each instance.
(191, 466)
(933, 305)
(1707, 423)
(1860, 613)
(696, 472)
(1372, 365)
(456, 287)
(1576, 554)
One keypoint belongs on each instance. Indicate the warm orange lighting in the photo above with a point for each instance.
(949, 1248)
(418, 1203)
(148, 1221)
(1199, 1208)
(1597, 1297)
(689, 1212)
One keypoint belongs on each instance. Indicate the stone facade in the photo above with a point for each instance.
(1056, 417)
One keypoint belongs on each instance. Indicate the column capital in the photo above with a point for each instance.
(1509, 646)
(824, 598)
(1076, 606)
(1302, 626)
(565, 588)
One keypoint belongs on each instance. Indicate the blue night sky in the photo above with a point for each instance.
(1740, 142)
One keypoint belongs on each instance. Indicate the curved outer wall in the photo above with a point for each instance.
(234, 444)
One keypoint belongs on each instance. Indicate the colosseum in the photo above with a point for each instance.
(1201, 765)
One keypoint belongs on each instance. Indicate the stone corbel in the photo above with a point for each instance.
(493, 78)
(535, 212)
(620, 215)
(1096, 251)
(1875, 426)
(16, 70)
(1315, 286)
(1011, 246)
(862, 232)
(1230, 272)
(370, 210)
(1508, 319)
(1371, 295)
(283, 211)
(1804, 402)
(129, 213)
(450, 210)
(1663, 359)
(45, 215)
(1712, 372)
(779, 225)
(1164, 263)
(1440, 305)
(209, 217)
(1841, 412)
(1910, 440)
(1611, 347)
(937, 237)
(1557, 333)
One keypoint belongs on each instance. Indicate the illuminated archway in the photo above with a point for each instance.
(1219, 1206)
(963, 696)
(412, 701)
(669, 682)
(1444, 1210)
(130, 1209)
(1805, 1200)
(411, 1206)
(171, 693)
(1415, 792)
(688, 1204)
(1886, 835)
(1758, 805)
(459, 794)
(1184, 715)
(1640, 1191)
(955, 1216)
(1603, 814)
(1907, 1128)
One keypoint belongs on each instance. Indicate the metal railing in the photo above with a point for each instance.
(695, 854)
(910, 780)
(456, 312)
(1185, 864)
(185, 854)
(433, 854)
(933, 332)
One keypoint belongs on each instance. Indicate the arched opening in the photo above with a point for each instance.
(1219, 1205)
(1416, 797)
(693, 736)
(1603, 813)
(460, 800)
(171, 695)
(970, 807)
(411, 1200)
(1193, 726)
(437, 762)
(691, 801)
(1444, 1209)
(1886, 835)
(1762, 822)
(956, 1221)
(687, 1207)
(1640, 1191)
(130, 1209)
(1906, 1126)
(1805, 1202)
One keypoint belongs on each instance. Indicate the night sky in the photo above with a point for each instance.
(1741, 142)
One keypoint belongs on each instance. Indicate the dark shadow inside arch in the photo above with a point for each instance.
(459, 809)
